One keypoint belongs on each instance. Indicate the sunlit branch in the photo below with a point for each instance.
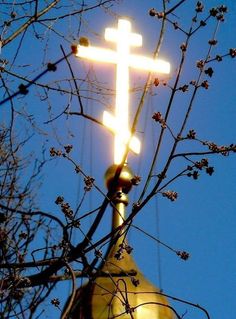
(86, 116)
(73, 294)
(77, 12)
(74, 81)
(174, 7)
(189, 109)
(184, 154)
(30, 264)
(31, 82)
(165, 118)
(38, 213)
(154, 238)
(29, 22)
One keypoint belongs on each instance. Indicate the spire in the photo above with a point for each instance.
(120, 290)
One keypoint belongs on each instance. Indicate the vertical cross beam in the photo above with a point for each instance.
(123, 39)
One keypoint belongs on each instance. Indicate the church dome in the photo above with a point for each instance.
(120, 290)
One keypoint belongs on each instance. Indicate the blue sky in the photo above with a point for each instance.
(202, 221)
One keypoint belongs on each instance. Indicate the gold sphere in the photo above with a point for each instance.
(124, 181)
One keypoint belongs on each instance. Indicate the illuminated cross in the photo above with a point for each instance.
(124, 39)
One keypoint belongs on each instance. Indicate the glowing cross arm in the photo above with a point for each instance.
(149, 64)
(96, 54)
(112, 124)
(134, 61)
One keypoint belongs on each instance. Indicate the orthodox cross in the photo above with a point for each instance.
(123, 59)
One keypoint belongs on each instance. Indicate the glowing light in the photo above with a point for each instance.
(124, 39)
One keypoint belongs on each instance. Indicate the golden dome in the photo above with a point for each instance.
(120, 290)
